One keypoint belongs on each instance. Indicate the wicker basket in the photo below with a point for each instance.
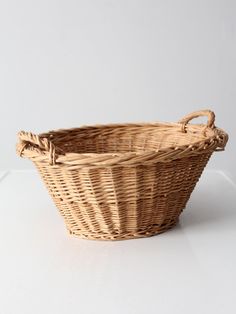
(122, 181)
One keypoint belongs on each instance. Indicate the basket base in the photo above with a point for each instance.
(125, 236)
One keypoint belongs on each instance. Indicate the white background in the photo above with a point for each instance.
(67, 63)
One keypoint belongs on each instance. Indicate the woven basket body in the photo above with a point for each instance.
(125, 181)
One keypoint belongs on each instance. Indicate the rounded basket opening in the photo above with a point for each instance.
(124, 139)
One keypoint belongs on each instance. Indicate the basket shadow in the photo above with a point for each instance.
(204, 209)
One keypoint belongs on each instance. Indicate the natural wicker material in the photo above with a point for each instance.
(122, 181)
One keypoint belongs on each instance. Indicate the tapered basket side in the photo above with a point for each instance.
(123, 202)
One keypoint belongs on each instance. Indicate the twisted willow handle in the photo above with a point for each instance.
(202, 113)
(29, 140)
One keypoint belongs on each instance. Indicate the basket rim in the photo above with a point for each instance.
(214, 139)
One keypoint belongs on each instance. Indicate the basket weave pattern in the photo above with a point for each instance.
(125, 181)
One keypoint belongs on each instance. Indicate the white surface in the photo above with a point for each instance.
(190, 269)
(67, 63)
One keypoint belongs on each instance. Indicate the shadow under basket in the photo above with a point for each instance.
(123, 181)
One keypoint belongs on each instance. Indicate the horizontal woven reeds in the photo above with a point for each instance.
(123, 181)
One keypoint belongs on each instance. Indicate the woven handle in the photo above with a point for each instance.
(29, 141)
(208, 113)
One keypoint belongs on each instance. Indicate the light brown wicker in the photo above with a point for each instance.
(122, 181)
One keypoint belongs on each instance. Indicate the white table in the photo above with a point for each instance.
(190, 269)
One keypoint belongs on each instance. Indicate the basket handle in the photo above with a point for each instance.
(202, 113)
(43, 145)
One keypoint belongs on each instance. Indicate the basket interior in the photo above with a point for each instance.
(124, 138)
